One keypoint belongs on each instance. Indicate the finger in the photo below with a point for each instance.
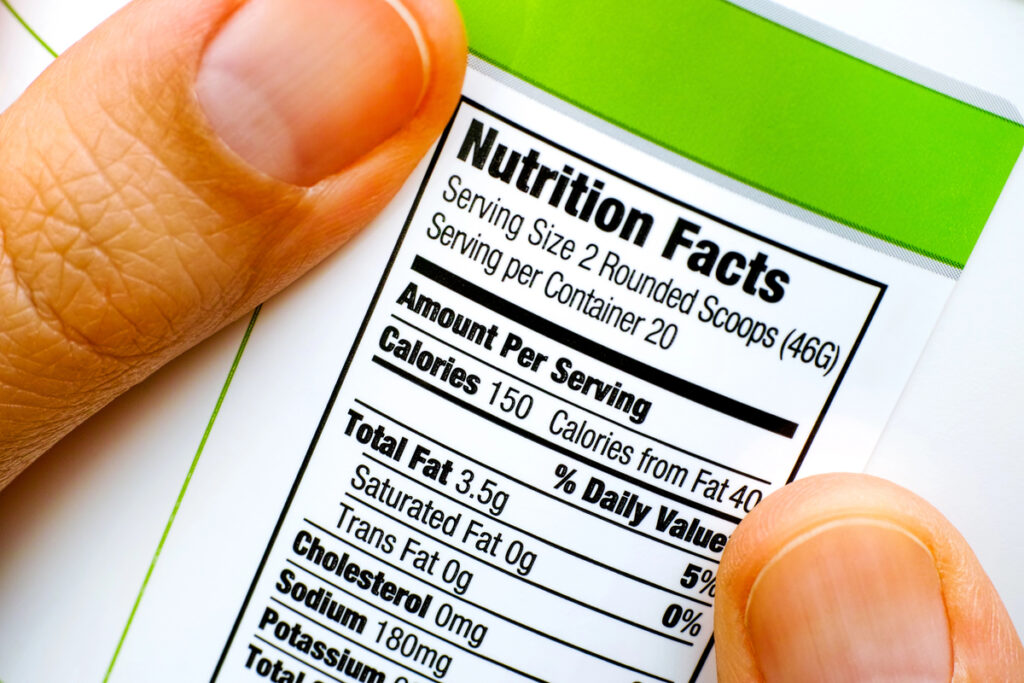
(852, 578)
(182, 163)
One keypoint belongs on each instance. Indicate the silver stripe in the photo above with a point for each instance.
(712, 176)
(895, 64)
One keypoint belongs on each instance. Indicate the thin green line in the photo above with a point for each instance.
(206, 433)
(184, 486)
(28, 28)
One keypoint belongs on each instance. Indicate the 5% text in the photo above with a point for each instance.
(695, 575)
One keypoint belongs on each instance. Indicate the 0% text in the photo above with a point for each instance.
(686, 619)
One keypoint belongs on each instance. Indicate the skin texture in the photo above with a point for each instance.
(129, 230)
(984, 645)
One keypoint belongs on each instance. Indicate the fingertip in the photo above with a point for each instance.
(140, 213)
(342, 204)
(860, 567)
(444, 38)
(302, 90)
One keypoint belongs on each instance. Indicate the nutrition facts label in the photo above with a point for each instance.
(569, 389)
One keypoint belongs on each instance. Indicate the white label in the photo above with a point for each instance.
(581, 368)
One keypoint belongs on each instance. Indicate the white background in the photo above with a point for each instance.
(77, 531)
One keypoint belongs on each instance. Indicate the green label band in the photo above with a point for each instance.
(767, 106)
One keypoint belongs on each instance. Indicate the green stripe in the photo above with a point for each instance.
(202, 442)
(28, 28)
(184, 486)
(766, 106)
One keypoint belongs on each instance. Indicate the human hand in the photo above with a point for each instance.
(181, 164)
(849, 578)
(190, 158)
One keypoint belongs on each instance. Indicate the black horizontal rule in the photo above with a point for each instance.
(676, 385)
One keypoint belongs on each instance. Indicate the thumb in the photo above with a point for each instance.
(182, 163)
(851, 578)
